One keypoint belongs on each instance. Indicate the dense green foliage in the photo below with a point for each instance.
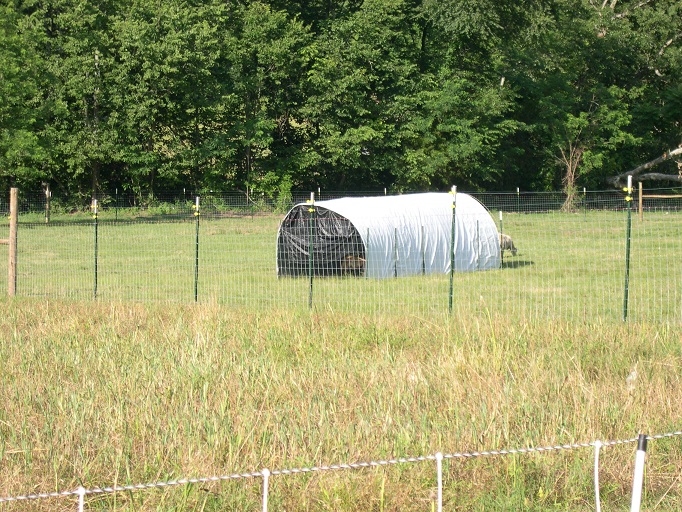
(273, 95)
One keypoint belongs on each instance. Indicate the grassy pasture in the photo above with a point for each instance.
(144, 385)
(569, 266)
(97, 393)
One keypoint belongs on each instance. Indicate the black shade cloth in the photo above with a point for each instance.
(337, 246)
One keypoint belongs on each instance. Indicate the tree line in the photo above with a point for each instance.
(273, 95)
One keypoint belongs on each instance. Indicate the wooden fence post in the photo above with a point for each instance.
(12, 265)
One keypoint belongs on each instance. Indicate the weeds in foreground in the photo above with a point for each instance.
(113, 393)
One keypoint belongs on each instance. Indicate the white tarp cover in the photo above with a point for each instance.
(410, 234)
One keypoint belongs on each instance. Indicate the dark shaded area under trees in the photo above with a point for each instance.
(345, 95)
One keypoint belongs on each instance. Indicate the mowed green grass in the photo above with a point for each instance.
(99, 393)
(569, 266)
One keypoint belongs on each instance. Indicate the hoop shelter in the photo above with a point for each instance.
(387, 236)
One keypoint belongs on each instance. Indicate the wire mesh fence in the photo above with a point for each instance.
(564, 264)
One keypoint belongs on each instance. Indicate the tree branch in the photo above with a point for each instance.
(664, 48)
(659, 176)
(636, 172)
(627, 13)
(668, 43)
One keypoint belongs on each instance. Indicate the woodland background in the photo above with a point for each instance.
(268, 96)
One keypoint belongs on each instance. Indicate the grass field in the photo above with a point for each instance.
(144, 385)
(569, 266)
(98, 394)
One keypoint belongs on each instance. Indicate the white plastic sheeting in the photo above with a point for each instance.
(410, 234)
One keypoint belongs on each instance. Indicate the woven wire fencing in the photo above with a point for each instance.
(574, 265)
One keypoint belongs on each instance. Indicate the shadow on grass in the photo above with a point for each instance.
(516, 263)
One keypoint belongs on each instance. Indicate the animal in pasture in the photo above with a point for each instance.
(507, 244)
(352, 264)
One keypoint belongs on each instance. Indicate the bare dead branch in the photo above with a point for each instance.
(624, 14)
(659, 176)
(664, 48)
(668, 43)
(637, 171)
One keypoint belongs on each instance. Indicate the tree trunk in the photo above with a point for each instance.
(571, 161)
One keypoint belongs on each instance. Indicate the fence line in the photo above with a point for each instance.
(555, 264)
(173, 204)
(568, 265)
(265, 473)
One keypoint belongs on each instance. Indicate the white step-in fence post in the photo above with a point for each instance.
(597, 448)
(439, 479)
(81, 499)
(266, 483)
(639, 474)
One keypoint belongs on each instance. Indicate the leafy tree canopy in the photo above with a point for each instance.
(270, 96)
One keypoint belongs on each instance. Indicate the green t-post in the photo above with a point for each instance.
(628, 199)
(452, 247)
(585, 202)
(395, 252)
(500, 242)
(196, 252)
(366, 252)
(478, 246)
(311, 248)
(423, 249)
(94, 216)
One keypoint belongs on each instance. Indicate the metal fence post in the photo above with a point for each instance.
(452, 248)
(500, 241)
(628, 199)
(311, 248)
(94, 216)
(196, 252)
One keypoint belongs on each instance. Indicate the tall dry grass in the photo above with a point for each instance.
(97, 394)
